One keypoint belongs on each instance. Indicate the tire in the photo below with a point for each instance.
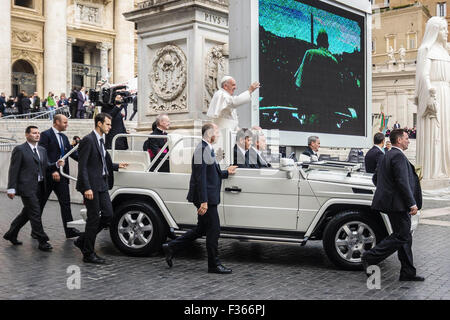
(345, 251)
(140, 221)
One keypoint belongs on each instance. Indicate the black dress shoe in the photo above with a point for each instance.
(73, 233)
(411, 278)
(219, 269)
(12, 239)
(169, 254)
(45, 246)
(93, 258)
(100, 258)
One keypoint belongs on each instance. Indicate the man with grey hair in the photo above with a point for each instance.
(259, 147)
(222, 109)
(313, 148)
(154, 145)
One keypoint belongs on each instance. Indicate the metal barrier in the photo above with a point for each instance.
(49, 114)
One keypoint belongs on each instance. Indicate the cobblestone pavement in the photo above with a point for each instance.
(260, 270)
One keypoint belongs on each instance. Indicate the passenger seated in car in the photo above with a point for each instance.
(310, 154)
(154, 145)
(243, 155)
(260, 148)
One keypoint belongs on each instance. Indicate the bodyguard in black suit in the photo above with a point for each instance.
(57, 145)
(27, 178)
(373, 155)
(204, 193)
(95, 179)
(399, 195)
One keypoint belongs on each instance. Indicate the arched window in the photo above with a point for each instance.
(22, 66)
(24, 3)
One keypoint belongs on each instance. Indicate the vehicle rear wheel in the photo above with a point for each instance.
(348, 235)
(137, 229)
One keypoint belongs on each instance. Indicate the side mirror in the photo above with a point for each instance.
(287, 165)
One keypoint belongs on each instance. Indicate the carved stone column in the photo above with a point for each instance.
(55, 46)
(124, 43)
(5, 48)
(69, 43)
(104, 47)
(181, 56)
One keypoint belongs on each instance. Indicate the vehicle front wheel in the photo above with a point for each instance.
(137, 229)
(348, 235)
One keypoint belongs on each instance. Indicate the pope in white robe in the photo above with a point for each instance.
(222, 109)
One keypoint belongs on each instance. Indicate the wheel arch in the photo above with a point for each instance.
(334, 206)
(148, 196)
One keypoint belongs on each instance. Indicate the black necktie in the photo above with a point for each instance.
(247, 158)
(102, 148)
(40, 176)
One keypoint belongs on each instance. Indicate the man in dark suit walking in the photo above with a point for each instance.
(204, 192)
(27, 177)
(57, 145)
(374, 155)
(399, 195)
(95, 179)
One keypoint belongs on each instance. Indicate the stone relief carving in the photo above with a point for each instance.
(24, 36)
(88, 14)
(168, 77)
(216, 68)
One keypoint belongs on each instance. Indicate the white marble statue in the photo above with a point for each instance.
(222, 109)
(390, 54)
(433, 101)
(402, 53)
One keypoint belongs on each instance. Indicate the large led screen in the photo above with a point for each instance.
(311, 68)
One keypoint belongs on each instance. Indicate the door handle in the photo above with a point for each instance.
(233, 189)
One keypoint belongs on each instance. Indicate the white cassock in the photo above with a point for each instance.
(222, 109)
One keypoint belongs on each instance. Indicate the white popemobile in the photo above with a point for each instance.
(295, 203)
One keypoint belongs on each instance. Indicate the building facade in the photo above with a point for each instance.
(55, 45)
(398, 29)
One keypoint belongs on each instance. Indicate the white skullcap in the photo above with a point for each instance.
(225, 79)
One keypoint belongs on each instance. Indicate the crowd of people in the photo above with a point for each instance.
(80, 106)
(412, 132)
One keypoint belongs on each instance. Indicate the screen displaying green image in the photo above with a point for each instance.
(312, 67)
